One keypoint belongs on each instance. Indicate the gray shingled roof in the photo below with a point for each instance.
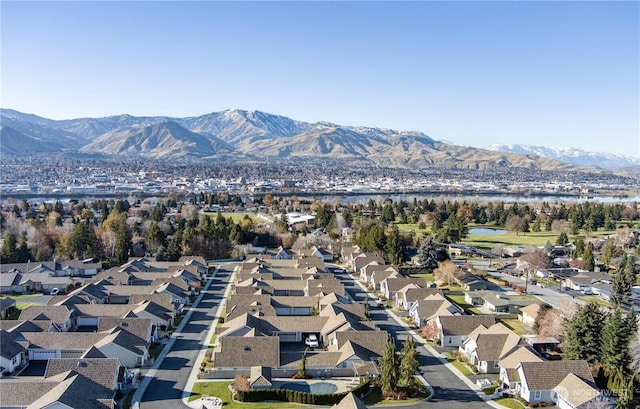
(548, 374)
(457, 325)
(8, 345)
(57, 314)
(103, 371)
(241, 352)
(78, 392)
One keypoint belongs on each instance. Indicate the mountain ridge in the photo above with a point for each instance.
(257, 135)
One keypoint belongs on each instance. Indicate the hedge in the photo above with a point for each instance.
(288, 395)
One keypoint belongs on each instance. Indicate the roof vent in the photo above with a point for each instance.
(246, 348)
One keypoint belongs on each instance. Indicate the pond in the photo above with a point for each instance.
(482, 230)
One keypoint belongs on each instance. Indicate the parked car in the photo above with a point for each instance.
(312, 341)
(55, 291)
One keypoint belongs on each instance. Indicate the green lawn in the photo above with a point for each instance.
(595, 299)
(25, 296)
(460, 302)
(515, 325)
(453, 360)
(221, 390)
(509, 403)
(429, 277)
(510, 239)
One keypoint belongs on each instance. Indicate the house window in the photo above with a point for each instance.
(537, 395)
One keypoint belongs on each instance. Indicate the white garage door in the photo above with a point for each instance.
(42, 354)
(290, 337)
(87, 321)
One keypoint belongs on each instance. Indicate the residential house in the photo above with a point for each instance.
(7, 307)
(107, 372)
(509, 362)
(471, 282)
(529, 313)
(244, 352)
(283, 254)
(60, 316)
(69, 390)
(486, 346)
(12, 353)
(538, 379)
(350, 401)
(455, 329)
(391, 285)
(495, 301)
(368, 271)
(409, 295)
(425, 311)
(378, 275)
(574, 392)
(260, 377)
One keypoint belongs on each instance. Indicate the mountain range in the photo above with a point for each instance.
(256, 135)
(572, 155)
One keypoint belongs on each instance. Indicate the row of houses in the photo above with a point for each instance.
(488, 345)
(94, 337)
(275, 306)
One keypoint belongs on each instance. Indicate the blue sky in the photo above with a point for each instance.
(556, 74)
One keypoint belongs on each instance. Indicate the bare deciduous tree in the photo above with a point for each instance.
(447, 272)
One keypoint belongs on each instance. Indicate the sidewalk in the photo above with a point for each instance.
(419, 341)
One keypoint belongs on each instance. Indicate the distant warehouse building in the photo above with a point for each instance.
(81, 189)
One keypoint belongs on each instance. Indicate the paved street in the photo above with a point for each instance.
(449, 390)
(165, 390)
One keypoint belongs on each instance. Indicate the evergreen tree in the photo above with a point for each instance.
(174, 251)
(9, 249)
(155, 238)
(389, 369)
(429, 254)
(562, 239)
(24, 252)
(608, 252)
(408, 362)
(84, 242)
(583, 335)
(587, 256)
(388, 215)
(622, 283)
(394, 249)
(453, 230)
(614, 342)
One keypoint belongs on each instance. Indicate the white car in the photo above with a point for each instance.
(312, 341)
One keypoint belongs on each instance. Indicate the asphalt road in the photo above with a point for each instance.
(165, 390)
(449, 391)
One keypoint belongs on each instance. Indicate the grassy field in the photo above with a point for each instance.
(508, 239)
(236, 217)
